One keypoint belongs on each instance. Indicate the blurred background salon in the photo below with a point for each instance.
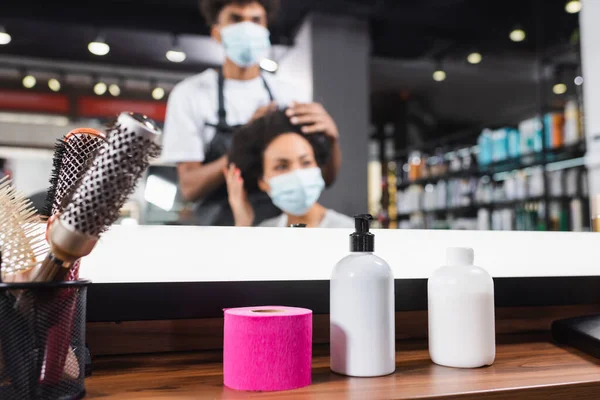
(475, 122)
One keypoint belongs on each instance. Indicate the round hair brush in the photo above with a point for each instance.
(100, 193)
(72, 157)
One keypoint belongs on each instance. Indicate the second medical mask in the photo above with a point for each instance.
(297, 191)
(246, 43)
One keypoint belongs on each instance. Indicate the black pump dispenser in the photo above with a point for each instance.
(362, 241)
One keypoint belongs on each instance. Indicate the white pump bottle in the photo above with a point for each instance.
(362, 330)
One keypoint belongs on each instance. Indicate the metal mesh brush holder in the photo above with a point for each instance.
(42, 340)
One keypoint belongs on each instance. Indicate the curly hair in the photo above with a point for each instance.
(211, 9)
(250, 142)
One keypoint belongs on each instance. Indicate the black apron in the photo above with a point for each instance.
(214, 209)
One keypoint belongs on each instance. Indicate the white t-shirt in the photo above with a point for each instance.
(331, 219)
(194, 102)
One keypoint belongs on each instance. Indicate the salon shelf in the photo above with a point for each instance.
(517, 203)
(434, 179)
(451, 210)
(529, 160)
(526, 366)
(472, 209)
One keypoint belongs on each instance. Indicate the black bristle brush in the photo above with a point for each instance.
(59, 151)
(72, 157)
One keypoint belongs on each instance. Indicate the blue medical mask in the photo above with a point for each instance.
(295, 192)
(246, 43)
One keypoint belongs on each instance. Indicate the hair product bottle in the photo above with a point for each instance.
(362, 330)
(461, 313)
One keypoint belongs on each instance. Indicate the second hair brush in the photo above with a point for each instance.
(72, 158)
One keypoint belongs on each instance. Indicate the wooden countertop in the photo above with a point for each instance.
(526, 367)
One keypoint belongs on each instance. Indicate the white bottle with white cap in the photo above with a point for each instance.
(461, 313)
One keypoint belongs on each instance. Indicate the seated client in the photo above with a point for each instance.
(274, 156)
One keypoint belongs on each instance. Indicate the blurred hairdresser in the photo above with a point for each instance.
(274, 156)
(205, 110)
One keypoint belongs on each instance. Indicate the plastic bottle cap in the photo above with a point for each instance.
(460, 256)
(362, 240)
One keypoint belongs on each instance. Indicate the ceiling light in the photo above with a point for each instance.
(579, 80)
(269, 65)
(176, 53)
(573, 6)
(474, 58)
(54, 84)
(559, 88)
(99, 47)
(517, 35)
(175, 56)
(100, 88)
(29, 81)
(158, 93)
(5, 38)
(439, 75)
(114, 89)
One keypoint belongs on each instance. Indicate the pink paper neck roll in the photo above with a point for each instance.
(267, 348)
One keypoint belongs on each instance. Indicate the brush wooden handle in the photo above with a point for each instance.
(50, 270)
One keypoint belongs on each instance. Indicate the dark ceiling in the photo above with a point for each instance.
(140, 31)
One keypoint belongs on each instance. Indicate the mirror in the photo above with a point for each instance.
(466, 115)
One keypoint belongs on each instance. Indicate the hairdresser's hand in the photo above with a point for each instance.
(264, 110)
(238, 199)
(315, 118)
